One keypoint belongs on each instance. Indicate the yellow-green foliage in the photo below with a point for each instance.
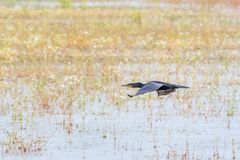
(65, 3)
(62, 56)
(89, 34)
(58, 61)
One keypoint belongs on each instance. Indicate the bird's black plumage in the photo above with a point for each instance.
(162, 88)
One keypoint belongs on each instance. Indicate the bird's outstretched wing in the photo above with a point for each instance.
(169, 85)
(149, 87)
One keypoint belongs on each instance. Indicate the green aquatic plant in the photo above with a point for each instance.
(65, 3)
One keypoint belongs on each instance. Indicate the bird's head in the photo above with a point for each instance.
(134, 85)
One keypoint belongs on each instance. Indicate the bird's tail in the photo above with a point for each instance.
(179, 86)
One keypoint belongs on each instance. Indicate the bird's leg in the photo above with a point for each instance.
(159, 95)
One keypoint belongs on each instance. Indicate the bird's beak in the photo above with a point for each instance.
(129, 95)
(126, 85)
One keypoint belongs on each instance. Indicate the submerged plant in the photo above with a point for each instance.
(15, 143)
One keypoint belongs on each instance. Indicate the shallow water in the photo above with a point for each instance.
(198, 123)
(139, 133)
(60, 101)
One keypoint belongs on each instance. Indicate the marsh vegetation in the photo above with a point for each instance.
(61, 72)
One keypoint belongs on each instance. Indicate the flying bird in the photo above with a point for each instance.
(162, 88)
